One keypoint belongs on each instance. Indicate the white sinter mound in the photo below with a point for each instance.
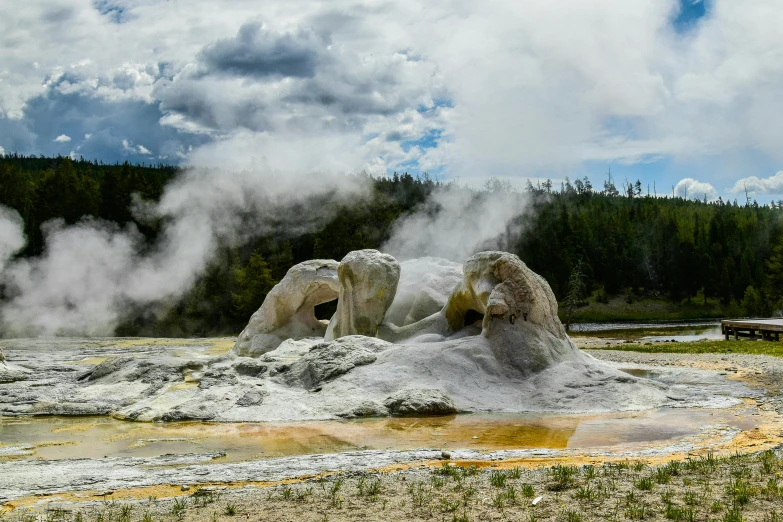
(368, 283)
(288, 310)
(483, 336)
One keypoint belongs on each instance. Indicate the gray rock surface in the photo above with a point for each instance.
(251, 398)
(163, 381)
(107, 367)
(249, 367)
(331, 359)
(365, 409)
(420, 402)
(288, 310)
(26, 477)
(9, 373)
(368, 284)
(20, 478)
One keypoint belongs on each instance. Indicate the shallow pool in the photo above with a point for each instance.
(95, 437)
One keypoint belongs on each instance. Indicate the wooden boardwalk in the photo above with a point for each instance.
(768, 329)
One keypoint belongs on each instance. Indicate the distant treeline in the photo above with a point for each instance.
(669, 248)
(622, 240)
(42, 188)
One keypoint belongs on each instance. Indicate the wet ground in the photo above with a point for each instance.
(53, 454)
(55, 438)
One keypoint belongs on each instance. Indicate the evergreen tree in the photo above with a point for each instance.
(775, 276)
(648, 246)
(752, 303)
(576, 289)
(283, 261)
(16, 190)
(253, 282)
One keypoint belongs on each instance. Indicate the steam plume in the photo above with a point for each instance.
(11, 234)
(91, 272)
(455, 223)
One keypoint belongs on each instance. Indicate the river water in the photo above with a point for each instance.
(668, 331)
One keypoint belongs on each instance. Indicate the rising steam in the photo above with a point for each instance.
(11, 234)
(91, 273)
(457, 222)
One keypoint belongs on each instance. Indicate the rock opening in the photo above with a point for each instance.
(473, 318)
(325, 311)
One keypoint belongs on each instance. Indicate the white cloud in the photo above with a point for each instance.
(693, 189)
(772, 185)
(129, 147)
(532, 85)
(62, 138)
(2, 150)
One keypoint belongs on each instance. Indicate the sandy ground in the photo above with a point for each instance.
(703, 487)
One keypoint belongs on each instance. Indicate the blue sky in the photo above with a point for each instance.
(688, 14)
(672, 92)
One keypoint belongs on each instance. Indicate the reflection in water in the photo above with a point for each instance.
(466, 431)
(682, 332)
(662, 326)
(95, 437)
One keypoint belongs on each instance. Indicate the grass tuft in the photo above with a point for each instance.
(644, 484)
(563, 476)
(498, 479)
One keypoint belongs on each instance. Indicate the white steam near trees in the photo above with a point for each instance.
(91, 273)
(11, 234)
(463, 88)
(455, 223)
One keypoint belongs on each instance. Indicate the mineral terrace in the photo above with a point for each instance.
(422, 337)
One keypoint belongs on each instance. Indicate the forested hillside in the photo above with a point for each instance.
(590, 245)
(41, 189)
